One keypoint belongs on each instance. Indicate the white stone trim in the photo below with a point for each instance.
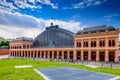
(44, 76)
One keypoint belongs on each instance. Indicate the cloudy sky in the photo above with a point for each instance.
(28, 18)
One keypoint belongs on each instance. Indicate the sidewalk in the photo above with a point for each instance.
(4, 56)
(101, 64)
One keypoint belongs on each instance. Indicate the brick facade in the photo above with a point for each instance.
(99, 46)
(4, 51)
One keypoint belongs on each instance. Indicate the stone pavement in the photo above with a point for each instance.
(101, 64)
(67, 73)
(4, 56)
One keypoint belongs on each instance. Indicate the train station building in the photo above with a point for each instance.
(99, 43)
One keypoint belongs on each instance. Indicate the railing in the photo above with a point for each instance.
(71, 61)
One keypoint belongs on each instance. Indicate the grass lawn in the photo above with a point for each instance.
(8, 71)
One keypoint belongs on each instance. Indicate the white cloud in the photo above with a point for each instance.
(32, 1)
(13, 24)
(16, 5)
(86, 3)
(69, 25)
(97, 3)
(7, 5)
(108, 17)
(24, 4)
(17, 19)
(18, 25)
(48, 2)
(111, 15)
(13, 32)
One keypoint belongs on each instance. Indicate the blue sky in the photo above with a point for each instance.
(28, 18)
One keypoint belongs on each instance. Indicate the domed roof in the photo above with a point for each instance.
(55, 37)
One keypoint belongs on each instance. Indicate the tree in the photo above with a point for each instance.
(4, 44)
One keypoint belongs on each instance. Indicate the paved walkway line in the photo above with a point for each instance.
(23, 66)
(115, 78)
(44, 76)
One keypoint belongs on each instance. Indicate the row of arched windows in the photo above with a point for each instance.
(20, 46)
(94, 43)
(15, 47)
(42, 54)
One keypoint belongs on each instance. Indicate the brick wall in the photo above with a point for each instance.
(4, 51)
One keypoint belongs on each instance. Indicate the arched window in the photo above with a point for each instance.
(113, 42)
(102, 43)
(110, 43)
(24, 46)
(78, 44)
(55, 54)
(86, 44)
(50, 54)
(94, 44)
(27, 46)
(42, 54)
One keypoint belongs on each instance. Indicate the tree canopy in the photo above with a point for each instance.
(4, 44)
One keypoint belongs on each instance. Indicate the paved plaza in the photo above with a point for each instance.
(67, 73)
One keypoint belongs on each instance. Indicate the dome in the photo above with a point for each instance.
(55, 37)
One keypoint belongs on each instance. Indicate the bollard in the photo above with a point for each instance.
(87, 62)
(82, 62)
(111, 65)
(102, 64)
(22, 57)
